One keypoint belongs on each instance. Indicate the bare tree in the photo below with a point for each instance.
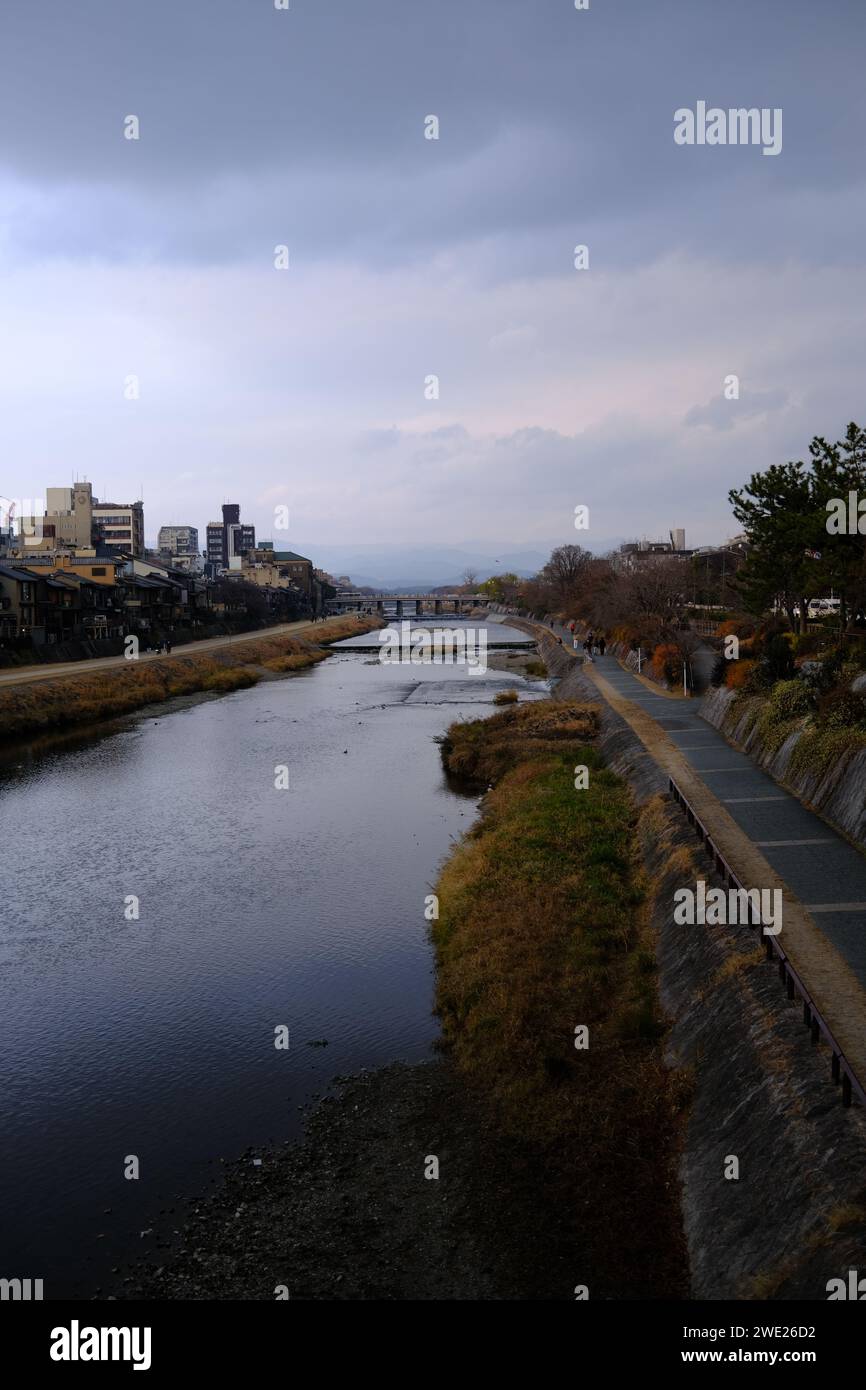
(566, 567)
(657, 591)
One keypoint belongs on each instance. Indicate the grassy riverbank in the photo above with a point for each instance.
(87, 698)
(544, 928)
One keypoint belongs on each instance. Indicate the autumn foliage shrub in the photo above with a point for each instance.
(667, 662)
(736, 627)
(739, 673)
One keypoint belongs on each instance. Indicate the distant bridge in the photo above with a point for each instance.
(397, 603)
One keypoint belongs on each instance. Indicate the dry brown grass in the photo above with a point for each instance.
(481, 750)
(543, 927)
(236, 678)
(296, 661)
(90, 697)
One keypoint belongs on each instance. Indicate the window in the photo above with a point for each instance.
(98, 569)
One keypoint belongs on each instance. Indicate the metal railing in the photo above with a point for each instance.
(840, 1067)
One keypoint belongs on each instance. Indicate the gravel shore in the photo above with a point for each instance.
(348, 1213)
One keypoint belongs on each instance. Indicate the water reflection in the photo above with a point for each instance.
(257, 908)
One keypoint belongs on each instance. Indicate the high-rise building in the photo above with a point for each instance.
(229, 539)
(178, 540)
(68, 519)
(119, 527)
(214, 542)
(75, 520)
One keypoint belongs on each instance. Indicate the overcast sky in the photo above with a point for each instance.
(409, 257)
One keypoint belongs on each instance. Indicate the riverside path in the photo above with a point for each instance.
(26, 675)
(822, 869)
(768, 837)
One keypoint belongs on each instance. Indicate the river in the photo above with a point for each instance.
(154, 1037)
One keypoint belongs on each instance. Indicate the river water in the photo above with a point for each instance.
(257, 908)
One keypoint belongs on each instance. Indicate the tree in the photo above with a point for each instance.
(240, 595)
(795, 553)
(502, 588)
(656, 594)
(566, 567)
(838, 470)
(470, 580)
(777, 511)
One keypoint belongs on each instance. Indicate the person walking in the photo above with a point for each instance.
(601, 646)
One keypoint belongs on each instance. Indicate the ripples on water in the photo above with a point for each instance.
(257, 908)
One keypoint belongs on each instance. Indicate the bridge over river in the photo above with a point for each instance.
(397, 604)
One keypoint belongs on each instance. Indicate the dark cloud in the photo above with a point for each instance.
(306, 125)
(411, 257)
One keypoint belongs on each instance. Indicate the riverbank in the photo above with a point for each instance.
(64, 701)
(548, 995)
(543, 929)
(548, 1177)
(349, 1215)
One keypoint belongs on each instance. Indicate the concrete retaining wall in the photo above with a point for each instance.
(757, 1089)
(839, 793)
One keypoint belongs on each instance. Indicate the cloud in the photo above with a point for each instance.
(373, 441)
(412, 257)
(720, 413)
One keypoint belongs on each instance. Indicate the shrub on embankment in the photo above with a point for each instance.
(29, 709)
(543, 929)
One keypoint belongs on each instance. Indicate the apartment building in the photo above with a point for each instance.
(178, 541)
(74, 519)
(230, 539)
(119, 526)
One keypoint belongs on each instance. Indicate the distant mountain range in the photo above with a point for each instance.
(419, 567)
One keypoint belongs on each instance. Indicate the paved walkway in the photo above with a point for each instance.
(24, 675)
(822, 869)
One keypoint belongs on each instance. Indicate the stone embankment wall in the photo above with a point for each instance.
(838, 792)
(757, 1089)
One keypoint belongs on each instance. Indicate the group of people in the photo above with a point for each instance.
(594, 643)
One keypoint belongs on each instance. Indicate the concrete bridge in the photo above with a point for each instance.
(398, 603)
